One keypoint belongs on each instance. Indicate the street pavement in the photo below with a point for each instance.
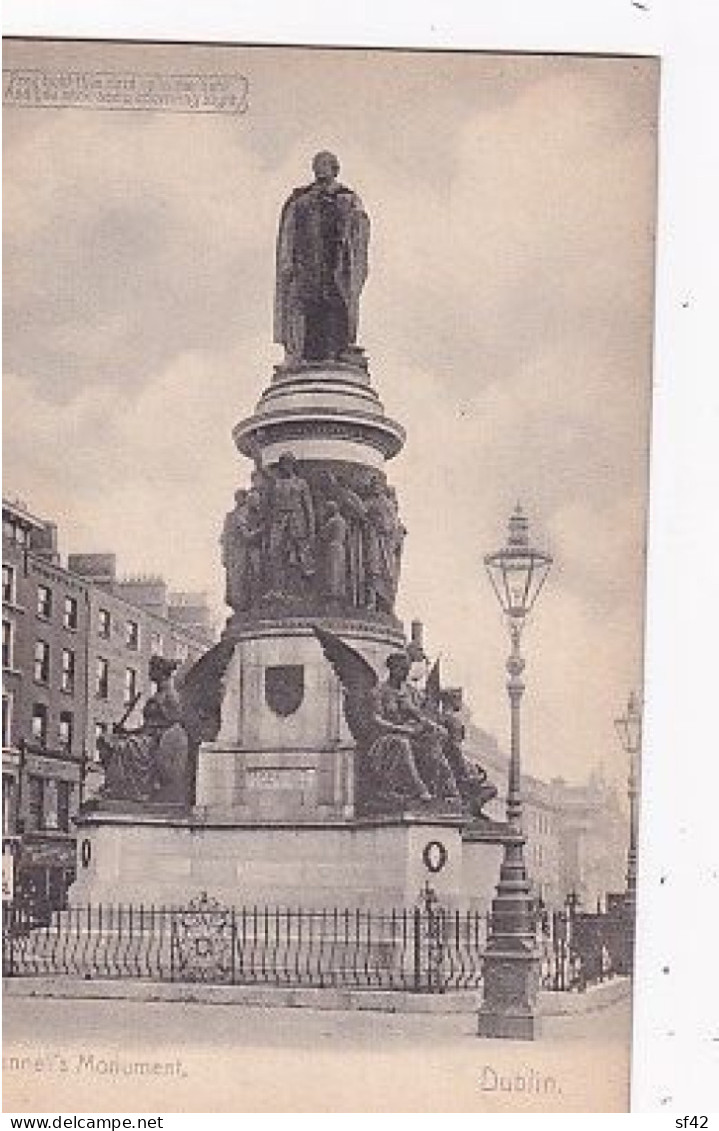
(127, 1056)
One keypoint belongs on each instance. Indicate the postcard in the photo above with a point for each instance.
(327, 409)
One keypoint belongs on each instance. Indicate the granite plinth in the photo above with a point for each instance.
(482, 851)
(171, 860)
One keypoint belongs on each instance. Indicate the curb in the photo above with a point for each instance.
(550, 1004)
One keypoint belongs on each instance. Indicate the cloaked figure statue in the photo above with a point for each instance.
(321, 268)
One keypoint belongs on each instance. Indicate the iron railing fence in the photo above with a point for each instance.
(579, 949)
(424, 949)
(417, 949)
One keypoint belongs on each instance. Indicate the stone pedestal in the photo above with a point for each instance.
(275, 820)
(283, 751)
(169, 860)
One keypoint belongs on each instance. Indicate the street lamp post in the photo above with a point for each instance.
(629, 728)
(511, 961)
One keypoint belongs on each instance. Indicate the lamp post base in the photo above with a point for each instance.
(503, 1026)
(511, 984)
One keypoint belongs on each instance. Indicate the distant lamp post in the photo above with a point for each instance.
(629, 728)
(511, 961)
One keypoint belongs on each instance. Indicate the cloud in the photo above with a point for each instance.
(507, 318)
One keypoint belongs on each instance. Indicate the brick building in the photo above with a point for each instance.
(76, 647)
(131, 620)
(45, 627)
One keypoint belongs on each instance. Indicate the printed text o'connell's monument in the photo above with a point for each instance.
(299, 762)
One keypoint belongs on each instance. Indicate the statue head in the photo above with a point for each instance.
(160, 669)
(325, 167)
(416, 652)
(287, 465)
(452, 699)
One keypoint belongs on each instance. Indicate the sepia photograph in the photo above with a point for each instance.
(327, 389)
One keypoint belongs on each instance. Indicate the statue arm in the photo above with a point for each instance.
(384, 726)
(422, 718)
(382, 723)
(285, 238)
(351, 501)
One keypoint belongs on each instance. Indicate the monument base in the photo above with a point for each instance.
(168, 859)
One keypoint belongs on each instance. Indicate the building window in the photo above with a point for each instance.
(70, 614)
(68, 670)
(156, 648)
(8, 584)
(66, 729)
(35, 803)
(132, 634)
(130, 686)
(101, 731)
(39, 723)
(7, 720)
(64, 794)
(7, 644)
(42, 662)
(103, 624)
(8, 804)
(102, 679)
(44, 601)
(182, 651)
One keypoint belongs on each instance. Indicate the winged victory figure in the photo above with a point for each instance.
(400, 759)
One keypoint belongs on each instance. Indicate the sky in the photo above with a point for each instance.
(507, 318)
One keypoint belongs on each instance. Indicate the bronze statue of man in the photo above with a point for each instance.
(321, 267)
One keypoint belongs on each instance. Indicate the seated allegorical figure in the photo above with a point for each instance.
(400, 701)
(471, 778)
(156, 761)
(149, 763)
(400, 760)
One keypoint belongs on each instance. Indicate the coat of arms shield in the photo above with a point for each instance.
(284, 688)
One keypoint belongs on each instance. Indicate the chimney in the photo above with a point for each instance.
(43, 542)
(100, 569)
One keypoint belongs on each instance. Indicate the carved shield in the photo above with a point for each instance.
(284, 688)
